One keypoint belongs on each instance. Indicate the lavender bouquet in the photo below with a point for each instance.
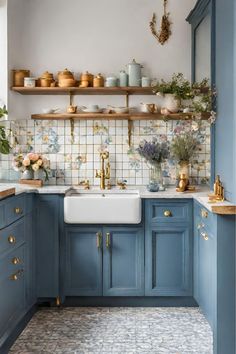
(153, 152)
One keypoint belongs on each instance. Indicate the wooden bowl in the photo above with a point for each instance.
(67, 83)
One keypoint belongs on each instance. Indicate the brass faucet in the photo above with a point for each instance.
(104, 172)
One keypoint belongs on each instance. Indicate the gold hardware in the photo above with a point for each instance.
(183, 183)
(109, 184)
(122, 184)
(58, 301)
(99, 239)
(15, 276)
(204, 235)
(85, 183)
(104, 172)
(108, 240)
(218, 195)
(11, 239)
(204, 213)
(18, 211)
(16, 260)
(167, 213)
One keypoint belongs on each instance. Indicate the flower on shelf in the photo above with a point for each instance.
(153, 152)
(31, 162)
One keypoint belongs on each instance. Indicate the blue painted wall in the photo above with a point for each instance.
(225, 163)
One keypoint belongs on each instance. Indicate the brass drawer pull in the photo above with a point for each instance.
(108, 240)
(16, 275)
(204, 236)
(167, 213)
(16, 260)
(204, 213)
(99, 239)
(18, 211)
(11, 240)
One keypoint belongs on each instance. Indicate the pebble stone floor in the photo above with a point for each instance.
(85, 330)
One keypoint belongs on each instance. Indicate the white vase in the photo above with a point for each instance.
(172, 103)
(27, 174)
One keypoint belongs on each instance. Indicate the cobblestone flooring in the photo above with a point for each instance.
(116, 330)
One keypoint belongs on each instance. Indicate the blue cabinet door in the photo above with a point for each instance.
(83, 261)
(30, 271)
(47, 245)
(168, 261)
(123, 261)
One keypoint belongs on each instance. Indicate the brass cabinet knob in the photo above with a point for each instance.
(204, 213)
(11, 240)
(16, 276)
(99, 239)
(204, 236)
(200, 226)
(108, 240)
(18, 211)
(16, 260)
(167, 213)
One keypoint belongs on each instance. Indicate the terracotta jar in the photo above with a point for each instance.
(18, 77)
(86, 77)
(46, 79)
(98, 81)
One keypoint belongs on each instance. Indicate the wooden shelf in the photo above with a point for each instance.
(115, 116)
(83, 91)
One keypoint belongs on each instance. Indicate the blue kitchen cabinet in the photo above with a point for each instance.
(83, 261)
(123, 261)
(47, 226)
(168, 248)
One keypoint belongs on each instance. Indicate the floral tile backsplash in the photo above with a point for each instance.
(74, 153)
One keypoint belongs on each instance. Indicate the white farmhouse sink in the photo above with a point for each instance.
(102, 207)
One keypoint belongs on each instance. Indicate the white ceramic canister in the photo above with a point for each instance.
(134, 72)
(123, 78)
(111, 81)
(146, 81)
(29, 82)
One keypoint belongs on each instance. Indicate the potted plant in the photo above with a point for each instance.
(175, 90)
(4, 143)
(32, 166)
(183, 148)
(154, 153)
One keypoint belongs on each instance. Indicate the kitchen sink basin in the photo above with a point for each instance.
(98, 207)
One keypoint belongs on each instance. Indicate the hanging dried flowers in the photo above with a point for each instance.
(165, 32)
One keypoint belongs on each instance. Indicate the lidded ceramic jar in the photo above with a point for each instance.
(134, 72)
(46, 79)
(123, 78)
(86, 77)
(98, 81)
(65, 74)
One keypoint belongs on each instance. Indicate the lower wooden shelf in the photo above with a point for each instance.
(116, 116)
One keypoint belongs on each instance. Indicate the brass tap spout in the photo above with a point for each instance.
(104, 172)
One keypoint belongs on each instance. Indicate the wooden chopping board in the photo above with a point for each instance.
(5, 192)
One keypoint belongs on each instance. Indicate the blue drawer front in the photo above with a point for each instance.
(12, 236)
(11, 209)
(162, 211)
(12, 263)
(205, 217)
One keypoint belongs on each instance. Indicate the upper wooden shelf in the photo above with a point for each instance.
(116, 116)
(83, 91)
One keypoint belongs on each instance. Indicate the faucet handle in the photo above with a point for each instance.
(122, 184)
(108, 170)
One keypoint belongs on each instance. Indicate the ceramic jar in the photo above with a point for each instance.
(29, 82)
(111, 81)
(86, 79)
(18, 77)
(65, 74)
(146, 81)
(171, 103)
(134, 72)
(98, 81)
(123, 79)
(27, 174)
(46, 79)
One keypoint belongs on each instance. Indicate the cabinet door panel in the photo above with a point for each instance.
(123, 268)
(83, 262)
(168, 261)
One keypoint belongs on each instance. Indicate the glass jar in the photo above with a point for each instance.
(155, 178)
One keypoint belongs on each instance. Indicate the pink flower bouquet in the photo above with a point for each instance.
(32, 162)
